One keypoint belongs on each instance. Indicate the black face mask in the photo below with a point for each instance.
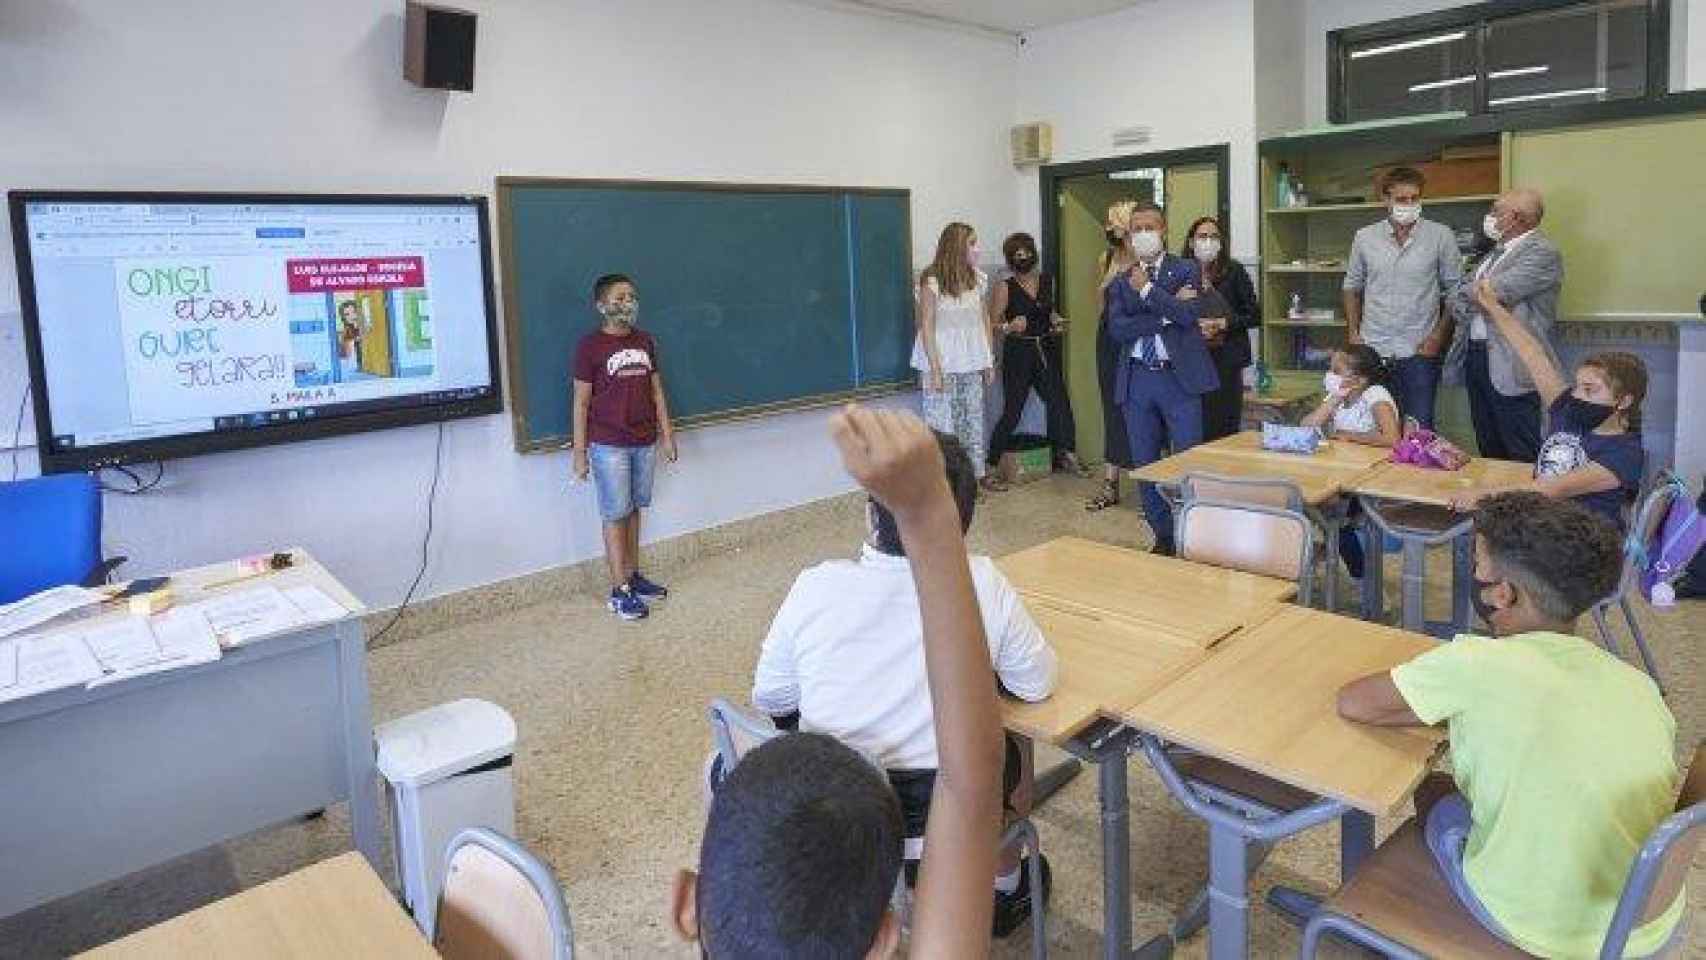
(1114, 239)
(1582, 416)
(1023, 262)
(1483, 609)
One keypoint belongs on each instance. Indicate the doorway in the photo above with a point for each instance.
(1075, 197)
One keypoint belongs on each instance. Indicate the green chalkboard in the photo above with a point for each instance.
(762, 298)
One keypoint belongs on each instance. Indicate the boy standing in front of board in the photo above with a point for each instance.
(621, 421)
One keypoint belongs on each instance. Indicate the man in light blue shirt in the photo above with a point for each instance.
(1399, 272)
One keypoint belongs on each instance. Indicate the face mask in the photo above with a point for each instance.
(1334, 384)
(1490, 227)
(623, 312)
(1146, 243)
(1023, 261)
(1405, 214)
(1207, 248)
(1584, 415)
(1483, 609)
(1114, 238)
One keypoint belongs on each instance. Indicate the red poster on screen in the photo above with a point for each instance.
(355, 273)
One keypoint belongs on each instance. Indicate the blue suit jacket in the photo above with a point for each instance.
(1131, 317)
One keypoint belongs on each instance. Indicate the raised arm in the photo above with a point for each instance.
(895, 457)
(1548, 379)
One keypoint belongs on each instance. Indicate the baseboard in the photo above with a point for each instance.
(506, 596)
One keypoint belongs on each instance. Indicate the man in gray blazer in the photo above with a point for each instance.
(1527, 272)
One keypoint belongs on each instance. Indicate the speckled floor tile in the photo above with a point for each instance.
(612, 736)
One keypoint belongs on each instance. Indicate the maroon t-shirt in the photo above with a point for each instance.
(620, 368)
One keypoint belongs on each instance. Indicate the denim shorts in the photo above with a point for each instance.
(623, 476)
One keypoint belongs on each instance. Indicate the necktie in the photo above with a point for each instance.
(1146, 347)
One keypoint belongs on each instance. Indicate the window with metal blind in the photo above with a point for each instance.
(1499, 56)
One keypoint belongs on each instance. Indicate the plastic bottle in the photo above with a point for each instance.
(1283, 195)
(1296, 306)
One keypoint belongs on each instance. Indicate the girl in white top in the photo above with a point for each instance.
(953, 351)
(1358, 406)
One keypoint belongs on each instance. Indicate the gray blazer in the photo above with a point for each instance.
(1527, 279)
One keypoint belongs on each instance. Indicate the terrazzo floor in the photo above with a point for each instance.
(613, 735)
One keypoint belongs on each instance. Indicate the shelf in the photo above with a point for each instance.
(1287, 268)
(1426, 202)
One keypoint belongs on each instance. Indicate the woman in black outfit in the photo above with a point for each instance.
(1229, 311)
(1023, 308)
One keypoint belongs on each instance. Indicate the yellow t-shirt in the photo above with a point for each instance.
(1565, 755)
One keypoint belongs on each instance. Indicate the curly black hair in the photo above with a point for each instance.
(1564, 556)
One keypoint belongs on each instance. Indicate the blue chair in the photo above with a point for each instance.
(52, 529)
(1398, 905)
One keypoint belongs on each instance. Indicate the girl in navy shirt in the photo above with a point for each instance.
(1592, 450)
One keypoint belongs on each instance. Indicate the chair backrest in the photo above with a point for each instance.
(500, 902)
(734, 732)
(1249, 537)
(1264, 491)
(53, 533)
(1656, 878)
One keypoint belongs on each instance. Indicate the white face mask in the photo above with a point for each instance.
(1490, 227)
(1146, 244)
(1206, 248)
(1334, 384)
(1404, 214)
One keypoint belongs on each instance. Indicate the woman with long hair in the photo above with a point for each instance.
(1110, 266)
(1229, 311)
(953, 352)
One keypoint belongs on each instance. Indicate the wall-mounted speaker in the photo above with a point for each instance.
(438, 46)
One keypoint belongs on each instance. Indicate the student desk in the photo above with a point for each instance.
(1416, 530)
(1191, 602)
(104, 782)
(1320, 477)
(335, 908)
(1265, 700)
(1123, 624)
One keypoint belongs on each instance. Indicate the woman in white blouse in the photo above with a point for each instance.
(953, 351)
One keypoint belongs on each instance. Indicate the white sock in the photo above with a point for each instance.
(1007, 882)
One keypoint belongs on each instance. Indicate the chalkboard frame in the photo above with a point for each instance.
(516, 381)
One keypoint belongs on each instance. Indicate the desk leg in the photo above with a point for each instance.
(1228, 894)
(363, 788)
(1116, 854)
(1411, 589)
(1374, 573)
(1332, 521)
(1049, 782)
(1356, 842)
(1462, 581)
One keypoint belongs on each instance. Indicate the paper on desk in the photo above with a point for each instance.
(183, 639)
(314, 603)
(122, 643)
(240, 617)
(48, 663)
(44, 606)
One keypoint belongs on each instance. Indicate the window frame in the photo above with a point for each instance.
(1479, 17)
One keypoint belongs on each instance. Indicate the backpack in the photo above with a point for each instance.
(1664, 553)
(1424, 448)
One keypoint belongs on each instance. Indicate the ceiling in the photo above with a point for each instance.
(1007, 16)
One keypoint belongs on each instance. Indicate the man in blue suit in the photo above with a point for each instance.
(1152, 315)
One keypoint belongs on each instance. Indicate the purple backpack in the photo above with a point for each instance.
(1668, 547)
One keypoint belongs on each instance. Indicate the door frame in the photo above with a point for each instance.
(1049, 176)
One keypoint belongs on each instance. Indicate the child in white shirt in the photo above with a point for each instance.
(1359, 409)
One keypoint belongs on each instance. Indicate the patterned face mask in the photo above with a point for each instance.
(625, 312)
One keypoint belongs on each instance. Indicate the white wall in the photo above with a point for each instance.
(1181, 67)
(308, 96)
(1688, 25)
(1278, 51)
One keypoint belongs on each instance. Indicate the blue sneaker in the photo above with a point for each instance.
(626, 605)
(645, 589)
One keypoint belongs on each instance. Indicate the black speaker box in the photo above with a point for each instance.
(438, 46)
